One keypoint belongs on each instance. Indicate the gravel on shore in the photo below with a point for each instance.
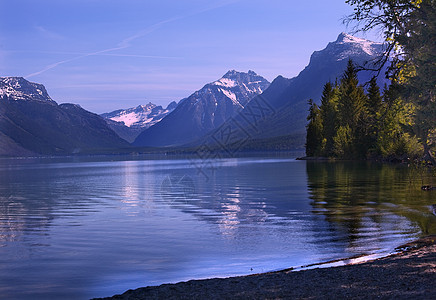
(409, 274)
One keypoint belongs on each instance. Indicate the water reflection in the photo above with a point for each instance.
(370, 202)
(113, 225)
(239, 193)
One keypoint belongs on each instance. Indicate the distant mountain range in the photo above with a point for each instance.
(204, 110)
(129, 123)
(32, 123)
(240, 111)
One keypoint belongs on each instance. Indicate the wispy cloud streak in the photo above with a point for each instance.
(127, 42)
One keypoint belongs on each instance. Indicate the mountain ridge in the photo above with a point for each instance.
(204, 110)
(31, 123)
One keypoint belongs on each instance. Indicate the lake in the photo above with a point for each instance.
(76, 228)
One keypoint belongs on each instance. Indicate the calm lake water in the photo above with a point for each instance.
(80, 228)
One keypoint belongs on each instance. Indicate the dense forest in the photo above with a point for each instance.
(354, 122)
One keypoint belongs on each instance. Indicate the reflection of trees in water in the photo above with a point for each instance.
(354, 196)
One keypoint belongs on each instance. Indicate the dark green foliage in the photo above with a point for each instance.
(343, 142)
(314, 131)
(353, 125)
(352, 98)
(329, 116)
(371, 119)
(409, 29)
(351, 111)
(374, 99)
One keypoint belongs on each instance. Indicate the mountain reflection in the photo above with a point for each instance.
(239, 193)
(19, 215)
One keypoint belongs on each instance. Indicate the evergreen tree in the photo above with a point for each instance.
(373, 108)
(343, 142)
(329, 117)
(314, 131)
(409, 28)
(396, 121)
(375, 99)
(353, 125)
(351, 97)
(351, 108)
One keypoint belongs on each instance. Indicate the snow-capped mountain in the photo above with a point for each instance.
(32, 123)
(142, 116)
(347, 46)
(129, 123)
(204, 110)
(18, 88)
(237, 86)
(285, 101)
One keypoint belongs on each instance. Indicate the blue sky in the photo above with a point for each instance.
(107, 54)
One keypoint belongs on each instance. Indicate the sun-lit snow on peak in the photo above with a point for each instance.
(367, 46)
(239, 87)
(128, 118)
(147, 106)
(142, 116)
(225, 82)
(231, 96)
(18, 88)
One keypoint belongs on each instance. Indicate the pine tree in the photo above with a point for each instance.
(314, 131)
(375, 99)
(329, 117)
(373, 105)
(343, 142)
(351, 109)
(393, 139)
(409, 28)
(351, 97)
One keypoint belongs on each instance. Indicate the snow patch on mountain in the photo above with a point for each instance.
(18, 88)
(225, 82)
(347, 46)
(129, 119)
(142, 116)
(231, 96)
(205, 110)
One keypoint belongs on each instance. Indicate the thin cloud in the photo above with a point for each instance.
(104, 54)
(48, 34)
(127, 42)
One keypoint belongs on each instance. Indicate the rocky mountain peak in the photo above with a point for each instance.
(251, 82)
(141, 116)
(18, 88)
(205, 110)
(344, 37)
(347, 47)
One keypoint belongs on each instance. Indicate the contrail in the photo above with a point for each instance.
(126, 43)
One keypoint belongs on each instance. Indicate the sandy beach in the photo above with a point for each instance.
(408, 274)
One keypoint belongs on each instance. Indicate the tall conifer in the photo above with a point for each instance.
(329, 116)
(351, 108)
(314, 131)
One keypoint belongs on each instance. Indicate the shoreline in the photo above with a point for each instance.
(408, 272)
